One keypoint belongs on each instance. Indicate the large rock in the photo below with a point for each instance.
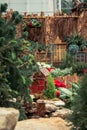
(52, 123)
(8, 118)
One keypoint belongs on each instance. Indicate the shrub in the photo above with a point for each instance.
(79, 68)
(16, 67)
(79, 106)
(50, 88)
(76, 39)
(67, 61)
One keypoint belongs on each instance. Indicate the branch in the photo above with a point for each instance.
(23, 64)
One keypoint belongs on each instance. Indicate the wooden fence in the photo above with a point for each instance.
(57, 26)
(52, 27)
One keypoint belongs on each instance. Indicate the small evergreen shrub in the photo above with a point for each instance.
(50, 88)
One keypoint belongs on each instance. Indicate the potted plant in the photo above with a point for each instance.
(76, 39)
(34, 22)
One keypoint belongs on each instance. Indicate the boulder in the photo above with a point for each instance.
(52, 123)
(8, 118)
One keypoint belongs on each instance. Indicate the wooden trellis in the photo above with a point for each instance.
(54, 55)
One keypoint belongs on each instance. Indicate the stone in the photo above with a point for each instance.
(52, 123)
(51, 105)
(59, 103)
(41, 101)
(50, 108)
(8, 118)
(32, 96)
(33, 110)
(53, 108)
(63, 113)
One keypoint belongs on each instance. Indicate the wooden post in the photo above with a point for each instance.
(41, 109)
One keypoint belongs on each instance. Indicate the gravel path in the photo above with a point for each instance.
(43, 124)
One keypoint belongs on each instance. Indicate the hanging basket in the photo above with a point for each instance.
(34, 23)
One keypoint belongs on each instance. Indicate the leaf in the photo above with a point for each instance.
(66, 91)
(13, 55)
(23, 79)
(20, 61)
(74, 85)
(13, 42)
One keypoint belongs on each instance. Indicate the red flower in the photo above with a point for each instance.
(59, 84)
(50, 69)
(30, 24)
(58, 93)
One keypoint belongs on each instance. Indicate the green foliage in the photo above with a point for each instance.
(16, 17)
(50, 88)
(85, 0)
(35, 46)
(79, 67)
(60, 72)
(76, 39)
(75, 43)
(79, 107)
(73, 49)
(35, 22)
(66, 62)
(66, 6)
(31, 23)
(3, 8)
(22, 113)
(67, 95)
(16, 67)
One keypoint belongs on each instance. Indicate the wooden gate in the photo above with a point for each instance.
(54, 54)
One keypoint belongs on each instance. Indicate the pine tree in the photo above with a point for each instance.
(79, 115)
(16, 66)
